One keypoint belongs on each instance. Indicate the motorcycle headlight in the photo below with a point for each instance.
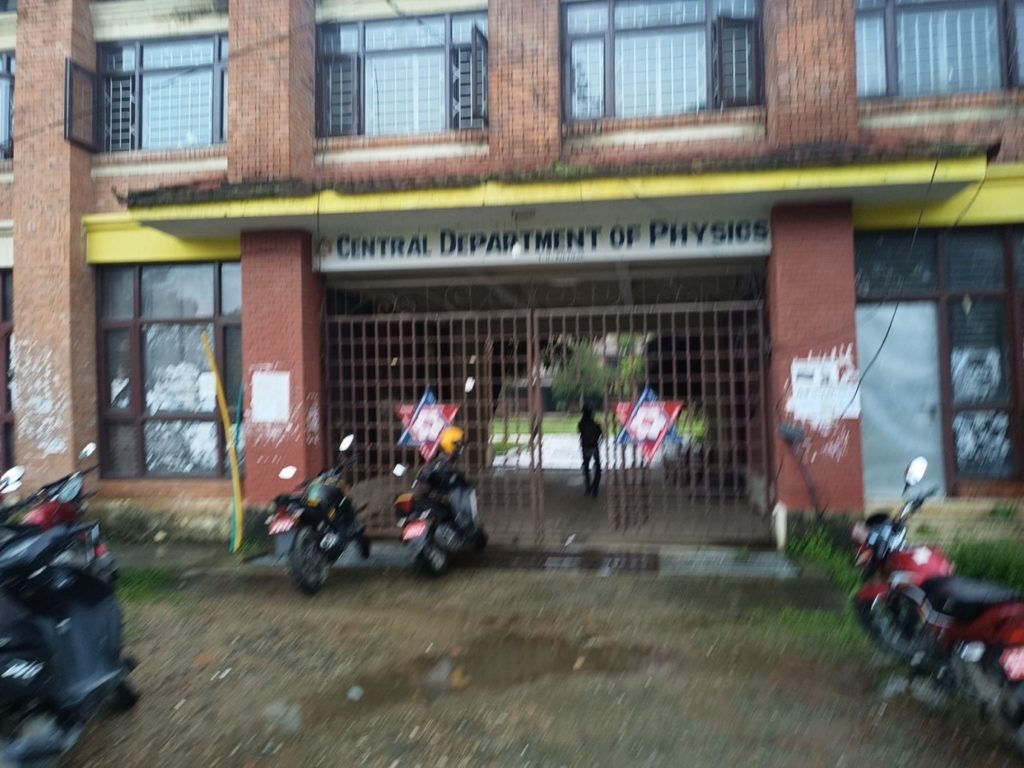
(20, 669)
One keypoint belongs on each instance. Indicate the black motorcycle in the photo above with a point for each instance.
(439, 517)
(60, 644)
(324, 520)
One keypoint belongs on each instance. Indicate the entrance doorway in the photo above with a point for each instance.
(534, 369)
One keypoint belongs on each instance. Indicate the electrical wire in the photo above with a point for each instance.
(895, 310)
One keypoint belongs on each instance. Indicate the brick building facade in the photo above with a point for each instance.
(250, 170)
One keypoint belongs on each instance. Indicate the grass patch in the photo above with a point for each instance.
(147, 585)
(1001, 561)
(827, 632)
(1006, 512)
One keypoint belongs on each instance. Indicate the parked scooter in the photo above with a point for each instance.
(61, 657)
(63, 502)
(439, 516)
(968, 634)
(324, 519)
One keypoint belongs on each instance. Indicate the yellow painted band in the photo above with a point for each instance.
(997, 199)
(503, 194)
(118, 239)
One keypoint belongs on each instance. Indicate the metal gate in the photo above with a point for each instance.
(533, 369)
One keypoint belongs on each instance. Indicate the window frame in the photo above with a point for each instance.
(7, 436)
(945, 298)
(219, 73)
(359, 58)
(712, 26)
(1010, 74)
(136, 415)
(7, 72)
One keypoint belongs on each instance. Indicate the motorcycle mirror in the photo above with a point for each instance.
(915, 471)
(470, 384)
(11, 479)
(288, 472)
(88, 451)
(346, 443)
(399, 470)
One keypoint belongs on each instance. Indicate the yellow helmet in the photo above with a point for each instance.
(451, 439)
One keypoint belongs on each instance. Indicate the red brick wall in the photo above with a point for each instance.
(270, 89)
(812, 313)
(525, 83)
(810, 73)
(54, 311)
(281, 302)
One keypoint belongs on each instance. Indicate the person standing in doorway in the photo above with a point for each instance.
(590, 443)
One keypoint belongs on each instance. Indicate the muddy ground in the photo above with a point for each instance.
(510, 668)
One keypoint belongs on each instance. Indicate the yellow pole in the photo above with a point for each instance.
(236, 478)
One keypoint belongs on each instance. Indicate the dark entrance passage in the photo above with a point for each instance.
(534, 369)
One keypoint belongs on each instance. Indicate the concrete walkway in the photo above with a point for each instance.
(387, 555)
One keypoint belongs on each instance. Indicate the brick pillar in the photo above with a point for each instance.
(812, 319)
(54, 305)
(270, 89)
(810, 71)
(524, 125)
(281, 301)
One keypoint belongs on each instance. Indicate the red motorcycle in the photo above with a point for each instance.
(889, 567)
(968, 634)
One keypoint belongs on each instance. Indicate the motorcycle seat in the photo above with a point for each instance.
(966, 599)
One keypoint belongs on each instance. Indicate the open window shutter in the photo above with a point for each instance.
(80, 101)
(479, 76)
(738, 63)
(340, 88)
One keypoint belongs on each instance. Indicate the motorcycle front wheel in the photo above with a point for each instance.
(307, 564)
(895, 627)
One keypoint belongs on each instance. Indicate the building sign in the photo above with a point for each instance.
(424, 423)
(562, 242)
(648, 422)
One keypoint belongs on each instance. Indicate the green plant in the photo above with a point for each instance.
(580, 378)
(1001, 561)
(824, 544)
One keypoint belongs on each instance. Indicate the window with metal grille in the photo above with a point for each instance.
(402, 77)
(634, 58)
(157, 394)
(152, 94)
(6, 105)
(931, 47)
(975, 277)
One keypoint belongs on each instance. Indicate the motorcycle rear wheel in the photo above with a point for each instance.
(307, 565)
(433, 560)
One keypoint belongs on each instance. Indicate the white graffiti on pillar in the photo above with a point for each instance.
(823, 389)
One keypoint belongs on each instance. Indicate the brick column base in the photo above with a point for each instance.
(281, 300)
(812, 319)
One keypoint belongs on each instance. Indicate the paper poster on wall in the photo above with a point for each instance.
(822, 391)
(271, 396)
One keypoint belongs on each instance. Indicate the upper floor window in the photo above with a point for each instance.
(166, 94)
(931, 47)
(6, 105)
(403, 76)
(636, 58)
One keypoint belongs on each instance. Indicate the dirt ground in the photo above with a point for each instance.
(511, 668)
